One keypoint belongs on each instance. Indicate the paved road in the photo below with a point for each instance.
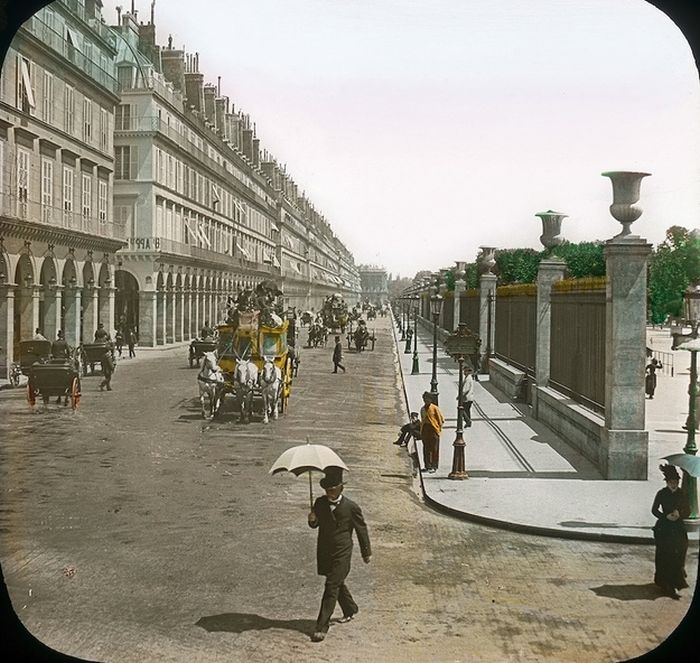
(133, 531)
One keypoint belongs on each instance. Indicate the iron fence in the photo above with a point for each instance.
(469, 309)
(515, 320)
(448, 312)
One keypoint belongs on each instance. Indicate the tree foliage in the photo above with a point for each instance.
(517, 265)
(674, 264)
(582, 260)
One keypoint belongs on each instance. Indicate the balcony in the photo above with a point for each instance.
(173, 247)
(44, 33)
(32, 211)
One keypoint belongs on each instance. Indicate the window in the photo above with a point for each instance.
(47, 98)
(159, 219)
(104, 126)
(25, 93)
(126, 77)
(102, 201)
(122, 117)
(123, 218)
(87, 120)
(69, 110)
(68, 179)
(46, 189)
(122, 162)
(22, 182)
(87, 196)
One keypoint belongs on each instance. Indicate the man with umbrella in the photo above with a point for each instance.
(336, 517)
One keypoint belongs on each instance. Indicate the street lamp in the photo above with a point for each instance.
(692, 314)
(402, 319)
(435, 308)
(414, 368)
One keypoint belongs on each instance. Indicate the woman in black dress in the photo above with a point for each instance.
(670, 507)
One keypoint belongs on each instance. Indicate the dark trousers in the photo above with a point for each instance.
(131, 350)
(335, 591)
(467, 407)
(337, 364)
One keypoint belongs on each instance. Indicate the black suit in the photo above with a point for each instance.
(334, 552)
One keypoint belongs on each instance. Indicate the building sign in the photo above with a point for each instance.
(144, 243)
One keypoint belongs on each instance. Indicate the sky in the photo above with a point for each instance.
(423, 129)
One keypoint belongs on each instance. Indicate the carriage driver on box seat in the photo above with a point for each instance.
(60, 350)
(207, 331)
(101, 334)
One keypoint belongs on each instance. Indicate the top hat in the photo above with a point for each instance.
(333, 477)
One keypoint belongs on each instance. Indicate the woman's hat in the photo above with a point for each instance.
(333, 477)
(670, 473)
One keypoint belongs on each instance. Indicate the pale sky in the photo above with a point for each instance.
(423, 129)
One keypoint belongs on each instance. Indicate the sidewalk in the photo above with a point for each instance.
(522, 476)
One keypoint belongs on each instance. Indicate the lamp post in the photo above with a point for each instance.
(460, 344)
(692, 314)
(402, 319)
(435, 308)
(415, 368)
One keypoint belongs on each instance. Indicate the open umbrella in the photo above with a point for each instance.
(687, 462)
(307, 458)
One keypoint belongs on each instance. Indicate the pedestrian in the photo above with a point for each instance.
(336, 517)
(468, 395)
(207, 331)
(411, 429)
(338, 355)
(670, 507)
(432, 420)
(119, 341)
(107, 362)
(650, 379)
(131, 341)
(38, 336)
(101, 334)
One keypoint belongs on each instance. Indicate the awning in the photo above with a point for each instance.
(26, 82)
(293, 265)
(203, 235)
(72, 38)
(290, 242)
(275, 227)
(241, 250)
(215, 193)
(196, 231)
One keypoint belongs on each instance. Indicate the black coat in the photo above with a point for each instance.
(334, 545)
(337, 353)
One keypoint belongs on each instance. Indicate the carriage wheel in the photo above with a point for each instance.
(75, 393)
(45, 398)
(31, 396)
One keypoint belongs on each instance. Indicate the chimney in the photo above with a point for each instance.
(220, 109)
(209, 97)
(194, 83)
(247, 143)
(256, 152)
(268, 169)
(174, 67)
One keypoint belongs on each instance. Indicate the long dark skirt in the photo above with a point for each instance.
(671, 547)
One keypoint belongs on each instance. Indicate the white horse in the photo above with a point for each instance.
(245, 379)
(211, 381)
(271, 387)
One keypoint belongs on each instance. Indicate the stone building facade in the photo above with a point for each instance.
(58, 238)
(375, 284)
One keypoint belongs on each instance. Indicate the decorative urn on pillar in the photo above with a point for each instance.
(626, 185)
(487, 259)
(551, 228)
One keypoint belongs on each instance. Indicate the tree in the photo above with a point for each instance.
(517, 265)
(582, 260)
(674, 264)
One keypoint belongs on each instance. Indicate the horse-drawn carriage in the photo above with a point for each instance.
(47, 377)
(361, 337)
(256, 365)
(335, 314)
(94, 353)
(198, 347)
(318, 335)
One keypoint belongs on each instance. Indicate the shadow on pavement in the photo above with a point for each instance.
(647, 592)
(583, 524)
(238, 622)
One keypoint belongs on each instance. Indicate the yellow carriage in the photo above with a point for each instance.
(249, 339)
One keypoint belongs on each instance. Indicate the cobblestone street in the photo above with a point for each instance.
(132, 530)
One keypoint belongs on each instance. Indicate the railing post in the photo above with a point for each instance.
(487, 310)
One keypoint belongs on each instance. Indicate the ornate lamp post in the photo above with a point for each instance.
(460, 344)
(415, 299)
(692, 314)
(402, 319)
(435, 308)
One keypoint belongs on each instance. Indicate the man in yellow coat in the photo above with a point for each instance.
(432, 421)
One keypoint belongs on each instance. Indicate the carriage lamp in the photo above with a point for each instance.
(435, 308)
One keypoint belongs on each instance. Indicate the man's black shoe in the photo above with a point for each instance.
(318, 636)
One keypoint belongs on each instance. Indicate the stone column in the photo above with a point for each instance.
(624, 450)
(90, 309)
(442, 291)
(160, 317)
(7, 329)
(170, 316)
(487, 284)
(179, 315)
(147, 318)
(72, 303)
(106, 297)
(460, 287)
(52, 312)
(550, 270)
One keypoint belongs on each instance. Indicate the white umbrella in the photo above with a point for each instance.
(307, 458)
(687, 462)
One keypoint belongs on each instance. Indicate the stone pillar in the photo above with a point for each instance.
(179, 315)
(170, 316)
(487, 284)
(106, 295)
(460, 287)
(52, 312)
(550, 270)
(147, 318)
(624, 449)
(442, 291)
(90, 310)
(7, 329)
(195, 319)
(72, 304)
(160, 317)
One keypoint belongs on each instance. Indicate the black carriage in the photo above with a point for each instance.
(197, 349)
(92, 354)
(31, 352)
(54, 378)
(362, 338)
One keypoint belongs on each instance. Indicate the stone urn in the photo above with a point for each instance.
(487, 259)
(626, 185)
(551, 228)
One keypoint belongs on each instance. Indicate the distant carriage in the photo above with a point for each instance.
(47, 377)
(198, 347)
(92, 354)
